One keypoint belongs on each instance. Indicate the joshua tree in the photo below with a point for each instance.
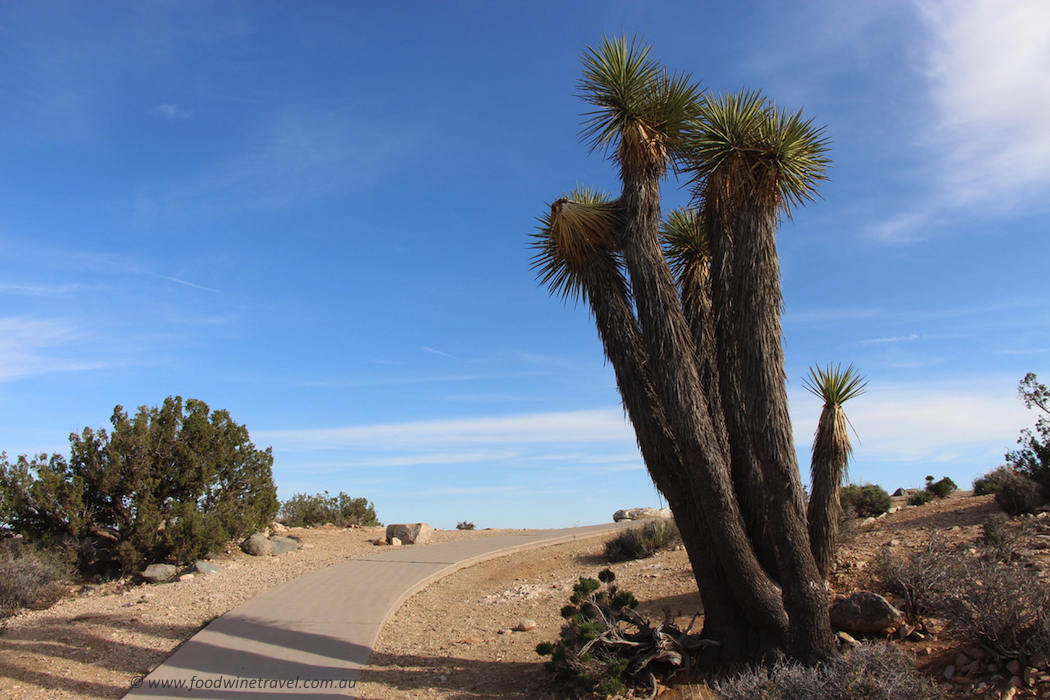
(669, 344)
(831, 452)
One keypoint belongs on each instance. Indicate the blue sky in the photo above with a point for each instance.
(316, 215)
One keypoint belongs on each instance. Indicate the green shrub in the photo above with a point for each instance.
(1033, 458)
(302, 510)
(940, 489)
(992, 481)
(643, 541)
(29, 578)
(869, 672)
(464, 525)
(1018, 495)
(919, 498)
(867, 501)
(590, 653)
(172, 483)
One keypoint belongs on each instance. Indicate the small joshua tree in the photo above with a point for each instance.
(831, 453)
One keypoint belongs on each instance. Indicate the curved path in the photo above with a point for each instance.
(308, 637)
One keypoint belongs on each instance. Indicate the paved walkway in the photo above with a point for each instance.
(318, 630)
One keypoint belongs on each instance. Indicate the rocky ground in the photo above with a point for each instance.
(470, 635)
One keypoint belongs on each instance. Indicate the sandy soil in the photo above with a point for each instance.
(454, 640)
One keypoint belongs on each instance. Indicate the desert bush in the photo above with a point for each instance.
(643, 541)
(464, 525)
(302, 510)
(1002, 607)
(29, 578)
(919, 577)
(869, 672)
(998, 539)
(1018, 495)
(919, 498)
(867, 501)
(940, 489)
(605, 646)
(992, 481)
(171, 483)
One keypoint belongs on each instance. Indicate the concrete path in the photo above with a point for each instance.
(308, 637)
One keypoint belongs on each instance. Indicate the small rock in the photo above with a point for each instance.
(525, 626)
(395, 541)
(962, 660)
(1013, 666)
(156, 573)
(949, 673)
(847, 640)
(206, 567)
(380, 542)
(864, 612)
(186, 577)
(283, 545)
(414, 533)
(88, 589)
(258, 545)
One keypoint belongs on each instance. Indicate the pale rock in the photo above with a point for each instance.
(283, 545)
(642, 514)
(525, 626)
(395, 541)
(412, 533)
(205, 567)
(156, 573)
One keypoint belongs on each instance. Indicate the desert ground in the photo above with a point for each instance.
(457, 639)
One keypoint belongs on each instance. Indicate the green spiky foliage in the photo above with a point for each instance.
(831, 452)
(643, 113)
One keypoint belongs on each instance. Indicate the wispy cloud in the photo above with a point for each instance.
(172, 112)
(988, 67)
(27, 347)
(986, 133)
(550, 428)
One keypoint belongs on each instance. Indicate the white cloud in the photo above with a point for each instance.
(172, 112)
(25, 345)
(989, 69)
(534, 428)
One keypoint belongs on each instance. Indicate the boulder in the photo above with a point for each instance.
(205, 567)
(258, 545)
(864, 612)
(641, 514)
(156, 573)
(414, 533)
(280, 545)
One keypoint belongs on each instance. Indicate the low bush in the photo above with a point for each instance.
(29, 578)
(1018, 495)
(869, 672)
(919, 577)
(999, 540)
(867, 501)
(643, 541)
(464, 525)
(992, 482)
(919, 498)
(302, 510)
(1001, 607)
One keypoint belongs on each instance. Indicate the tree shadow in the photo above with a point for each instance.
(975, 514)
(461, 679)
